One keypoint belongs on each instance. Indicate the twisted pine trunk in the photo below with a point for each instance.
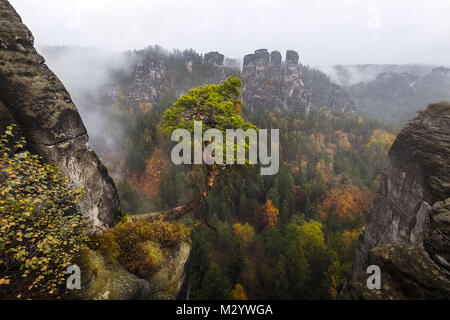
(195, 202)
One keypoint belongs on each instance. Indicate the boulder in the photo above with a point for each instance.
(106, 279)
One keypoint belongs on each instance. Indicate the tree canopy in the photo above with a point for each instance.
(216, 106)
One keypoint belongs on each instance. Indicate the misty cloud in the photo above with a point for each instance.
(88, 74)
(323, 32)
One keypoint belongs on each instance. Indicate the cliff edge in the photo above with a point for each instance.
(407, 233)
(32, 97)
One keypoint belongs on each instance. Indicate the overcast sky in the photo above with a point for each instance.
(324, 32)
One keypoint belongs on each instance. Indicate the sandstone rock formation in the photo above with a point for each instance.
(34, 98)
(106, 279)
(325, 92)
(158, 73)
(406, 273)
(407, 229)
(270, 83)
(273, 84)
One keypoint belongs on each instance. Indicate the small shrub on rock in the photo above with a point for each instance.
(139, 245)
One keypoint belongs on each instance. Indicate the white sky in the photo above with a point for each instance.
(324, 32)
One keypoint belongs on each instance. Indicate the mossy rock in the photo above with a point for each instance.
(407, 272)
(108, 280)
(167, 283)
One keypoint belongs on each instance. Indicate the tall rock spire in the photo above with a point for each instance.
(270, 83)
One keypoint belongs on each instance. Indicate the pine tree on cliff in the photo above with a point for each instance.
(217, 107)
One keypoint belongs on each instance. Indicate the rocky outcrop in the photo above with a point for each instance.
(34, 98)
(170, 282)
(102, 279)
(273, 84)
(437, 234)
(106, 279)
(407, 272)
(158, 74)
(270, 83)
(407, 229)
(215, 58)
(148, 79)
(325, 92)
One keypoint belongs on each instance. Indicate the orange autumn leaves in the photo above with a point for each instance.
(346, 203)
(270, 214)
(246, 233)
(147, 184)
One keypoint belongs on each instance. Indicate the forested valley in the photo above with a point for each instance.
(287, 236)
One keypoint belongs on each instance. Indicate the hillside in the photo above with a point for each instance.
(392, 93)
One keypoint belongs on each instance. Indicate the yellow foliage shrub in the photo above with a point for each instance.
(41, 232)
(143, 260)
(382, 138)
(137, 245)
(239, 293)
(245, 233)
(154, 254)
(168, 234)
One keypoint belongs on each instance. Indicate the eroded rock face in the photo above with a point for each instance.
(106, 279)
(215, 58)
(33, 97)
(169, 282)
(437, 234)
(407, 272)
(325, 92)
(270, 83)
(155, 73)
(273, 84)
(410, 217)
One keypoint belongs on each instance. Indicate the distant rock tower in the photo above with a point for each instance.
(270, 83)
(154, 75)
